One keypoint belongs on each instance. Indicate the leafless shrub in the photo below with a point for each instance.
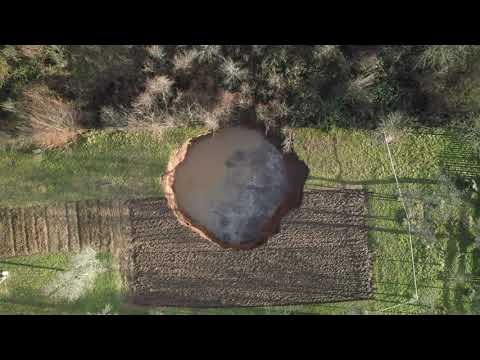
(287, 145)
(233, 72)
(276, 81)
(208, 53)
(48, 119)
(443, 58)
(370, 65)
(157, 87)
(221, 113)
(72, 284)
(246, 98)
(136, 121)
(146, 110)
(157, 52)
(272, 113)
(211, 120)
(328, 53)
(393, 126)
(184, 60)
(363, 82)
(153, 123)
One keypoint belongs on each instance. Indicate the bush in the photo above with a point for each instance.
(157, 52)
(446, 58)
(233, 73)
(46, 117)
(393, 126)
(184, 60)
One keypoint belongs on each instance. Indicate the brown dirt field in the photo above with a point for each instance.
(320, 255)
(41, 238)
(64, 227)
(72, 227)
(6, 247)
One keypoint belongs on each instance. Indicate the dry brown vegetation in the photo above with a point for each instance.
(50, 120)
(31, 51)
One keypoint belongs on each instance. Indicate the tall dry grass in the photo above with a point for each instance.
(49, 120)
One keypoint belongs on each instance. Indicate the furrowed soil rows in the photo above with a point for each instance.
(102, 225)
(320, 255)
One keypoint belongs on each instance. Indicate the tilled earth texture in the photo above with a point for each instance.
(319, 255)
(63, 227)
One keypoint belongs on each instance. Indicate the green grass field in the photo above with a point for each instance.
(104, 165)
(101, 165)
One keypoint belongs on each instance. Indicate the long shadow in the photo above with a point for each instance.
(377, 181)
(458, 242)
(370, 228)
(382, 196)
(337, 160)
(385, 197)
(385, 218)
(465, 238)
(31, 266)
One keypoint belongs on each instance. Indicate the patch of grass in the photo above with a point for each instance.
(101, 165)
(22, 292)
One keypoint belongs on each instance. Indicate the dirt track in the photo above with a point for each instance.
(320, 255)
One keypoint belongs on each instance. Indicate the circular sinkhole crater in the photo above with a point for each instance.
(232, 187)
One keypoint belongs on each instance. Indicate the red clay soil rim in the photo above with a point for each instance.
(297, 173)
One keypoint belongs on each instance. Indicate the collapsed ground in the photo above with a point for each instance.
(447, 266)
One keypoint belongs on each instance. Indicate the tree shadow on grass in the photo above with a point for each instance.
(341, 225)
(459, 241)
(31, 266)
(390, 180)
(93, 301)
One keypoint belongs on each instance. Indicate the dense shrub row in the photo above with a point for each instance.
(288, 85)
